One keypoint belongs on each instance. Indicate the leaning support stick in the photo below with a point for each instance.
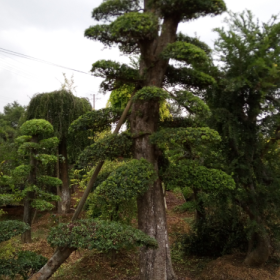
(61, 254)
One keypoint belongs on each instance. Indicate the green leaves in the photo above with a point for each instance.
(115, 74)
(97, 120)
(36, 127)
(135, 25)
(46, 159)
(101, 235)
(187, 78)
(126, 182)
(151, 93)
(48, 180)
(49, 143)
(25, 264)
(108, 148)
(113, 8)
(192, 103)
(189, 9)
(179, 136)
(60, 108)
(185, 52)
(189, 173)
(9, 229)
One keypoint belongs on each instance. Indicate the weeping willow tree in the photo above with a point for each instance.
(61, 108)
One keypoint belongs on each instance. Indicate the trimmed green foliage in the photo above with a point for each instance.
(185, 52)
(112, 8)
(46, 159)
(150, 93)
(97, 120)
(195, 41)
(49, 143)
(135, 25)
(189, 9)
(36, 127)
(115, 74)
(9, 229)
(126, 182)
(101, 235)
(108, 148)
(192, 103)
(187, 78)
(25, 264)
(6, 198)
(22, 139)
(48, 180)
(188, 173)
(179, 136)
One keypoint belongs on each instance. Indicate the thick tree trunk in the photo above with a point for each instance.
(63, 190)
(257, 255)
(28, 210)
(260, 254)
(154, 264)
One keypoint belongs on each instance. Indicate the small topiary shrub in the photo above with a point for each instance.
(24, 264)
(101, 235)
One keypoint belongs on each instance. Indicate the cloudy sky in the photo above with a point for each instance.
(53, 31)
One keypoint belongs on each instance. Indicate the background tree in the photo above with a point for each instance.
(34, 145)
(61, 108)
(10, 121)
(245, 105)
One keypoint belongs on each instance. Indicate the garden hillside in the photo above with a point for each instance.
(94, 265)
(177, 178)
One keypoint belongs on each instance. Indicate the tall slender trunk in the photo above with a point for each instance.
(28, 209)
(63, 190)
(200, 210)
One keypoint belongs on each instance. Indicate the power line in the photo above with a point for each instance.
(40, 60)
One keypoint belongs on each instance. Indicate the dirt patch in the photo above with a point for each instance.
(231, 267)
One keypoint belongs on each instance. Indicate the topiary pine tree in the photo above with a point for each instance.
(245, 105)
(150, 29)
(34, 145)
(61, 108)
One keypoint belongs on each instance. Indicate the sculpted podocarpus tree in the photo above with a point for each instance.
(148, 28)
(34, 146)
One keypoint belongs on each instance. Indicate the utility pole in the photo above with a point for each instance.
(93, 101)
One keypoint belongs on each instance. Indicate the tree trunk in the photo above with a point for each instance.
(154, 264)
(257, 255)
(59, 257)
(28, 210)
(63, 190)
(27, 218)
(200, 210)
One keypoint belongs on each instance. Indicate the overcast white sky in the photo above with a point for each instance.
(53, 30)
